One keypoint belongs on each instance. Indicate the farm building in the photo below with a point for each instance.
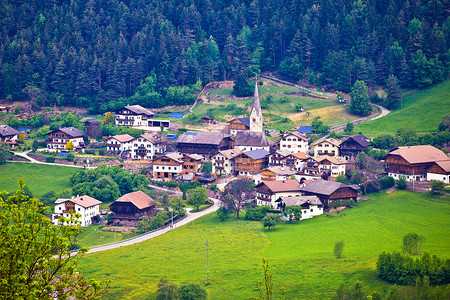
(413, 161)
(207, 143)
(311, 205)
(329, 191)
(85, 205)
(8, 133)
(132, 207)
(440, 170)
(251, 162)
(354, 145)
(267, 192)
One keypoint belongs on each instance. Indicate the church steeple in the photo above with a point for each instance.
(256, 121)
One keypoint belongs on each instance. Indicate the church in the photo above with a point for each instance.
(249, 131)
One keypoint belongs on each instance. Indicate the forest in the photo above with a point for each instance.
(105, 53)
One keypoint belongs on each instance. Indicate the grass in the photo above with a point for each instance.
(39, 178)
(422, 111)
(94, 235)
(300, 255)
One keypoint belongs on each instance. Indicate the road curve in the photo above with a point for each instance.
(189, 218)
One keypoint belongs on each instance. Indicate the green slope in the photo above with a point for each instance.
(300, 255)
(422, 111)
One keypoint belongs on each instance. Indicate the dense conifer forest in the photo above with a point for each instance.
(89, 53)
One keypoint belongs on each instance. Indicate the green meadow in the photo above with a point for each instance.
(40, 179)
(300, 254)
(422, 111)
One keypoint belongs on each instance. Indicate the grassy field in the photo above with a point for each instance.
(94, 235)
(422, 111)
(39, 178)
(300, 255)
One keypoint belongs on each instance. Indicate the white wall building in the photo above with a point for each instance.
(133, 115)
(311, 205)
(86, 206)
(335, 166)
(294, 142)
(439, 171)
(119, 143)
(147, 146)
(58, 139)
(223, 162)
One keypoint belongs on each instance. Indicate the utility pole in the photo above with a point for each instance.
(207, 263)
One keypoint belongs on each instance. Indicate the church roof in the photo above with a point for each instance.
(251, 139)
(256, 105)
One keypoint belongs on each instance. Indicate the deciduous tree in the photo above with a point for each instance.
(270, 220)
(359, 96)
(237, 194)
(197, 197)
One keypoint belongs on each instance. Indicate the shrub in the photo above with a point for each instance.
(401, 182)
(256, 213)
(338, 249)
(50, 159)
(349, 203)
(70, 156)
(412, 242)
(386, 182)
(222, 213)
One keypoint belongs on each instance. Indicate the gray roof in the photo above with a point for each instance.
(251, 138)
(246, 121)
(71, 131)
(300, 200)
(360, 139)
(6, 130)
(257, 154)
(208, 138)
(324, 187)
(139, 110)
(256, 105)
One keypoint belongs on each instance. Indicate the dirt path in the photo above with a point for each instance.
(34, 161)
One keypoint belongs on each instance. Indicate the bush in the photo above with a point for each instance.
(70, 156)
(338, 249)
(50, 159)
(386, 182)
(401, 182)
(349, 203)
(256, 213)
(222, 213)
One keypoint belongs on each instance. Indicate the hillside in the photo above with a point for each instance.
(422, 111)
(300, 255)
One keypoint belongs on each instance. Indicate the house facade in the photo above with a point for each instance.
(439, 171)
(238, 124)
(353, 145)
(332, 165)
(118, 143)
(168, 166)
(147, 146)
(133, 115)
(413, 161)
(329, 191)
(86, 206)
(223, 163)
(267, 192)
(250, 162)
(132, 207)
(250, 140)
(311, 206)
(329, 147)
(275, 173)
(59, 138)
(7, 133)
(294, 142)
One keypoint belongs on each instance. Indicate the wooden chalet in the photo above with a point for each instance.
(191, 163)
(8, 133)
(207, 120)
(251, 162)
(132, 207)
(276, 173)
(206, 143)
(238, 124)
(267, 192)
(440, 170)
(354, 145)
(58, 139)
(167, 166)
(133, 115)
(329, 191)
(413, 161)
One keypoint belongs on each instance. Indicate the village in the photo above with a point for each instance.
(287, 171)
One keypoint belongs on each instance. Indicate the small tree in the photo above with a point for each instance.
(242, 88)
(293, 212)
(177, 205)
(437, 187)
(338, 249)
(270, 220)
(401, 182)
(35, 145)
(144, 225)
(359, 96)
(192, 291)
(268, 285)
(109, 118)
(197, 197)
(222, 213)
(21, 138)
(70, 156)
(349, 128)
(69, 145)
(412, 242)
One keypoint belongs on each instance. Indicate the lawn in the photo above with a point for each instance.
(39, 178)
(300, 255)
(422, 111)
(94, 235)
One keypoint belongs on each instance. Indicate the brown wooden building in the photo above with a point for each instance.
(354, 145)
(440, 170)
(238, 124)
(267, 192)
(413, 161)
(251, 162)
(191, 163)
(172, 165)
(329, 191)
(132, 207)
(207, 143)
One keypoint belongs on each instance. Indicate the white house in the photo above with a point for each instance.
(146, 146)
(311, 205)
(223, 162)
(267, 192)
(58, 139)
(333, 165)
(440, 170)
(119, 143)
(133, 115)
(86, 206)
(294, 142)
(168, 166)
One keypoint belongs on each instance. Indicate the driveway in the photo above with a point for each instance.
(34, 161)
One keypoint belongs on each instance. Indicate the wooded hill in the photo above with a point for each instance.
(87, 53)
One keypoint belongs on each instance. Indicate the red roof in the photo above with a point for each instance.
(139, 199)
(420, 154)
(289, 185)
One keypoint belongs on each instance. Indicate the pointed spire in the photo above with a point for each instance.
(256, 105)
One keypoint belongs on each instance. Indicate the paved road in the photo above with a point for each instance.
(384, 111)
(189, 218)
